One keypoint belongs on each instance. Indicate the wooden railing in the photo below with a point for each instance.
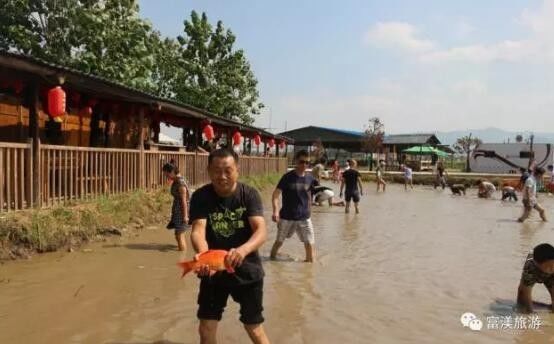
(15, 176)
(76, 173)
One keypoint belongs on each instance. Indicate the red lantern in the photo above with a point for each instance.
(282, 144)
(271, 143)
(257, 139)
(236, 138)
(56, 102)
(208, 132)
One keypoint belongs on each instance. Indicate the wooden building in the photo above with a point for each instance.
(107, 142)
(100, 113)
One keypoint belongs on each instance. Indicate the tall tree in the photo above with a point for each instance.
(374, 135)
(41, 28)
(166, 70)
(466, 145)
(103, 37)
(215, 75)
(116, 43)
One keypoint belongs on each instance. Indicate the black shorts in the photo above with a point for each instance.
(212, 300)
(352, 196)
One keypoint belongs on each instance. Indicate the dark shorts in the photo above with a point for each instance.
(352, 196)
(180, 227)
(212, 300)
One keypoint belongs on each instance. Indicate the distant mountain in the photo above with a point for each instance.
(493, 135)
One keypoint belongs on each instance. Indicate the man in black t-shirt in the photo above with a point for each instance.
(228, 215)
(352, 182)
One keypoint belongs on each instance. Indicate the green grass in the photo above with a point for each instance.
(71, 225)
(63, 226)
(262, 182)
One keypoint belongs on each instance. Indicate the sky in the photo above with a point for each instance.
(420, 66)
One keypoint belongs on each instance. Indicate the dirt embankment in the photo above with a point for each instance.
(23, 233)
(67, 227)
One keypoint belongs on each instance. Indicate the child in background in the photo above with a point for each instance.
(407, 176)
(509, 193)
(379, 174)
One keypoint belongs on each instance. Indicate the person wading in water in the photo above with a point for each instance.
(228, 215)
(179, 210)
(296, 188)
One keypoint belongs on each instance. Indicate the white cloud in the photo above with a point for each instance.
(464, 28)
(506, 51)
(397, 35)
(537, 47)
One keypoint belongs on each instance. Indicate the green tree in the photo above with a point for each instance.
(374, 135)
(116, 43)
(168, 66)
(466, 145)
(215, 76)
(41, 28)
(102, 37)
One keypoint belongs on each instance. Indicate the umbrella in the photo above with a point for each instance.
(425, 150)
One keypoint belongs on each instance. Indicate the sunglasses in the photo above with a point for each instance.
(305, 162)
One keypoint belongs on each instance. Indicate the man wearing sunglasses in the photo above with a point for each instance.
(296, 188)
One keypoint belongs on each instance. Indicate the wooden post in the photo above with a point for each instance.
(142, 166)
(197, 137)
(185, 136)
(35, 144)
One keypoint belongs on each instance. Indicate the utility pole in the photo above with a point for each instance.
(531, 153)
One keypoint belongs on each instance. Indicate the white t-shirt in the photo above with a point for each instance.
(489, 187)
(530, 191)
(408, 173)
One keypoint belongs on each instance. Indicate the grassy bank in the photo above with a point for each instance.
(26, 232)
(262, 182)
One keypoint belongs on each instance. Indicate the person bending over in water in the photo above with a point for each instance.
(538, 268)
(486, 189)
(352, 184)
(323, 193)
(530, 195)
(296, 188)
(509, 193)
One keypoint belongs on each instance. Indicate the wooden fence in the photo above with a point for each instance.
(76, 173)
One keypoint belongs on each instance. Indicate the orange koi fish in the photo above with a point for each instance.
(215, 259)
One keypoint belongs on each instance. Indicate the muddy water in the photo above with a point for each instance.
(403, 271)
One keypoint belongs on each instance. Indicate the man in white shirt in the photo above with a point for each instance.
(530, 195)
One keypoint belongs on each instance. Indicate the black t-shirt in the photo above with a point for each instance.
(228, 227)
(297, 194)
(351, 180)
